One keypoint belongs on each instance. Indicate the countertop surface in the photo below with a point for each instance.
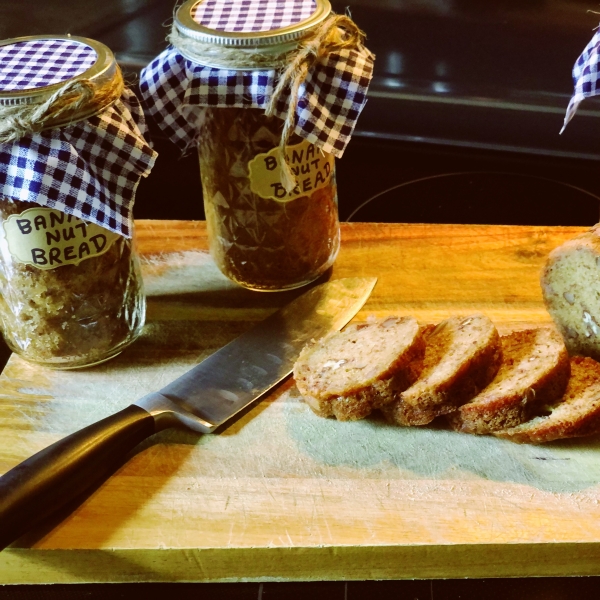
(282, 494)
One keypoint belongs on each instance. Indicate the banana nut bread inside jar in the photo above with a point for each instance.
(269, 93)
(71, 291)
(262, 236)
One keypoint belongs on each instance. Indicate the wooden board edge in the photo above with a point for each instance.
(27, 566)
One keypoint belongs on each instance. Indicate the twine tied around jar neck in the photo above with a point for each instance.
(224, 57)
(75, 100)
(335, 33)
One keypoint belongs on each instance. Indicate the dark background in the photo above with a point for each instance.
(462, 126)
(463, 116)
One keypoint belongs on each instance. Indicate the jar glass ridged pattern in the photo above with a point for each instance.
(270, 92)
(265, 243)
(66, 305)
(71, 288)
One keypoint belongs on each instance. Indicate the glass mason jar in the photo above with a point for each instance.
(71, 292)
(261, 236)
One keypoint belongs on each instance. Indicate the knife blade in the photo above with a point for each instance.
(202, 399)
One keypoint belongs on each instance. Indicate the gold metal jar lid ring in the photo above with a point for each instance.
(188, 27)
(24, 111)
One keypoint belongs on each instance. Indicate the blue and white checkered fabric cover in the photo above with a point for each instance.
(330, 99)
(585, 77)
(90, 169)
(249, 15)
(38, 63)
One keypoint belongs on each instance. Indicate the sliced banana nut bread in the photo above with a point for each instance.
(577, 414)
(570, 284)
(534, 372)
(462, 356)
(347, 374)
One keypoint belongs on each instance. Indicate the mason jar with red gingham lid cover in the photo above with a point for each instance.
(270, 92)
(72, 152)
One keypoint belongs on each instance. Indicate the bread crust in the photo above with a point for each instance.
(577, 414)
(462, 356)
(348, 374)
(534, 371)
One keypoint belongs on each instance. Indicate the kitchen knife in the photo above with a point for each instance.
(202, 399)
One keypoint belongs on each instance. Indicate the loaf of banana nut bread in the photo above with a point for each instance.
(577, 414)
(347, 374)
(571, 289)
(462, 356)
(534, 372)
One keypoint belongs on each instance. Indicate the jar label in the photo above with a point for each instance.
(46, 238)
(311, 167)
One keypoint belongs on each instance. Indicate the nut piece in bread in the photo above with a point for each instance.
(462, 356)
(577, 414)
(570, 283)
(534, 372)
(347, 374)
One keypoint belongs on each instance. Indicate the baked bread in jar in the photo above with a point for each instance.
(265, 243)
(73, 153)
(270, 97)
(69, 315)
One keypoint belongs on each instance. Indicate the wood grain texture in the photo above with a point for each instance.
(282, 494)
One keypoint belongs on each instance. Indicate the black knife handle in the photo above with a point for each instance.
(43, 484)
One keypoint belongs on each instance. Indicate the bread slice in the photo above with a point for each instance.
(348, 374)
(577, 414)
(534, 372)
(462, 356)
(569, 285)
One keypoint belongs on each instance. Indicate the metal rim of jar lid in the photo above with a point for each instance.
(101, 73)
(186, 26)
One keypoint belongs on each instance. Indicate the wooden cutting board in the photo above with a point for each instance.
(282, 494)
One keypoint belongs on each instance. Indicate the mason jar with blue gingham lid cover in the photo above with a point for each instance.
(72, 152)
(269, 91)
